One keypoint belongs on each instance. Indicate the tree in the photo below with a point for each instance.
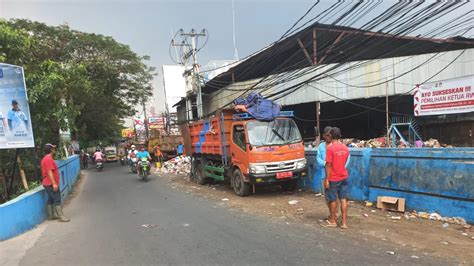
(81, 81)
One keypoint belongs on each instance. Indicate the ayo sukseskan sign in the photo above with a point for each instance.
(450, 96)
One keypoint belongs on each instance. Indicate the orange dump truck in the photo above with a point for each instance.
(238, 148)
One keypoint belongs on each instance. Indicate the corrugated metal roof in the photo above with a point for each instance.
(334, 44)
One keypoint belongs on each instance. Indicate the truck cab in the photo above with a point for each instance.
(268, 152)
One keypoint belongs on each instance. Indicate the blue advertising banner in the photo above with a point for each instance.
(15, 119)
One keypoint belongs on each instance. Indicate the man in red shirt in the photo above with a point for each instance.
(336, 181)
(50, 174)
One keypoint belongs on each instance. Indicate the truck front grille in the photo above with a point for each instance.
(280, 167)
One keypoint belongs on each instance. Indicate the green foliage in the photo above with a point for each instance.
(81, 81)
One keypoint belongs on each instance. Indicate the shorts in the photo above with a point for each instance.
(337, 190)
(54, 197)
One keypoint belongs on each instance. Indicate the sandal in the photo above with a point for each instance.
(343, 226)
(328, 224)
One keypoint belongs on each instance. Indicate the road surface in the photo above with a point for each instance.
(110, 208)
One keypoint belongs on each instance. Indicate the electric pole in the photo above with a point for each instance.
(145, 119)
(191, 52)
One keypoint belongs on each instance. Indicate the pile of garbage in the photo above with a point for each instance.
(371, 143)
(436, 217)
(177, 165)
(434, 143)
(382, 141)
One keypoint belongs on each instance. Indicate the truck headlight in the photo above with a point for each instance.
(257, 169)
(301, 164)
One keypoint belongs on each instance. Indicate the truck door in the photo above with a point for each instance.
(238, 147)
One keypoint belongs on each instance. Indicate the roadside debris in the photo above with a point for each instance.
(391, 203)
(225, 199)
(369, 204)
(444, 243)
(436, 217)
(149, 225)
(445, 225)
(414, 257)
(293, 202)
(390, 252)
(177, 165)
(366, 215)
(396, 217)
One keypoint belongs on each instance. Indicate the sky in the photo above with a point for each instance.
(147, 26)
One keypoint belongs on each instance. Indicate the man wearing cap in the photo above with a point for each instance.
(17, 120)
(50, 174)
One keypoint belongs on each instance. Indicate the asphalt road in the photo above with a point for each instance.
(106, 228)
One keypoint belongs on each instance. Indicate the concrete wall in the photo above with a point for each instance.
(29, 209)
(440, 180)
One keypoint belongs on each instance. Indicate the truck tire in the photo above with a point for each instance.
(199, 175)
(241, 187)
(290, 185)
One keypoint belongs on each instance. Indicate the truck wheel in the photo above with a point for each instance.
(290, 185)
(241, 187)
(199, 175)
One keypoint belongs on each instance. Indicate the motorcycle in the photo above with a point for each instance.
(123, 160)
(133, 166)
(99, 165)
(145, 168)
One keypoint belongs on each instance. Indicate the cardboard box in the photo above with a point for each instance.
(391, 203)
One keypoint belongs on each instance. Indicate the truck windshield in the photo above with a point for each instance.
(276, 132)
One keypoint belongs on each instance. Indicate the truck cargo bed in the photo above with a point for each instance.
(212, 136)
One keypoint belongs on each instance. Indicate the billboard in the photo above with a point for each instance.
(175, 85)
(450, 96)
(157, 122)
(128, 133)
(15, 118)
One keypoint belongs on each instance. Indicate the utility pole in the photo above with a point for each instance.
(192, 52)
(145, 119)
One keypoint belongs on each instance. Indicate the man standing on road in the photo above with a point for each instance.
(180, 149)
(321, 156)
(50, 174)
(337, 155)
(158, 154)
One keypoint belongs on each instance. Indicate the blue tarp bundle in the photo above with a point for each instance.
(258, 107)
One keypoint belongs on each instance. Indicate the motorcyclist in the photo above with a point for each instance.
(142, 154)
(131, 153)
(98, 155)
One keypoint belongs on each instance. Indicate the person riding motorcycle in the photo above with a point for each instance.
(131, 153)
(142, 154)
(98, 155)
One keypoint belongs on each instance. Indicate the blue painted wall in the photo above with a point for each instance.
(29, 209)
(440, 180)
